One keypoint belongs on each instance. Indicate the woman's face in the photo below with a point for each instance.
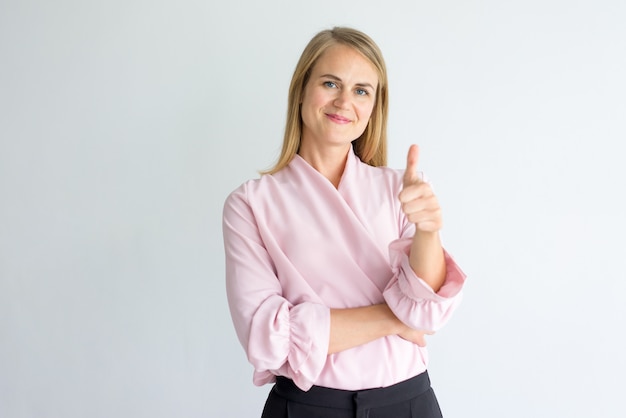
(338, 98)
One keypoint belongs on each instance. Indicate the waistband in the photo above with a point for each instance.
(348, 399)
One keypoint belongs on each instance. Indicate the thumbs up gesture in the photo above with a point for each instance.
(419, 203)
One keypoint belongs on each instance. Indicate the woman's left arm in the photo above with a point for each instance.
(427, 283)
(427, 260)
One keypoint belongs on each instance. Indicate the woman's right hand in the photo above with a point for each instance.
(415, 336)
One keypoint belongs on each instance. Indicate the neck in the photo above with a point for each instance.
(330, 162)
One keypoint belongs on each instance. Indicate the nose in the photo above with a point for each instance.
(342, 99)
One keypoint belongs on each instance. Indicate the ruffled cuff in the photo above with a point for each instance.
(310, 334)
(291, 342)
(412, 300)
(416, 288)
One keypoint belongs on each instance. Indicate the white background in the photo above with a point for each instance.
(125, 124)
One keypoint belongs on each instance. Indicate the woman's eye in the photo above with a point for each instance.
(362, 92)
(330, 84)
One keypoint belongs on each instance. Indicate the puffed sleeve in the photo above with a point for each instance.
(279, 337)
(412, 300)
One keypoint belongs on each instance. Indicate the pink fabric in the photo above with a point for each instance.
(296, 246)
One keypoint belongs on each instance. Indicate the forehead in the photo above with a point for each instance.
(344, 61)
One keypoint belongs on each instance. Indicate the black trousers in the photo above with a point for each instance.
(413, 398)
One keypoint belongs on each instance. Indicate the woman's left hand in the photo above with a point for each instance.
(419, 203)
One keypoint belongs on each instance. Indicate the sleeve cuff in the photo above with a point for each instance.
(412, 300)
(310, 334)
(413, 286)
(289, 340)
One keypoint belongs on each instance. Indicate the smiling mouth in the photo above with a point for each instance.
(337, 118)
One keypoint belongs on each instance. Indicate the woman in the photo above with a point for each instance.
(334, 266)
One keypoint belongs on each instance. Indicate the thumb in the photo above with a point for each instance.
(410, 175)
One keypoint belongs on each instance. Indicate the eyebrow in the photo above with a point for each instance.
(334, 77)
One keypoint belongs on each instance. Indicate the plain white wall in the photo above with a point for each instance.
(125, 124)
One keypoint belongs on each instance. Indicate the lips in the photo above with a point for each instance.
(337, 118)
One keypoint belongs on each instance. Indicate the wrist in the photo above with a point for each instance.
(395, 325)
(425, 236)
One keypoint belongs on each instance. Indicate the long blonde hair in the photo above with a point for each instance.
(371, 146)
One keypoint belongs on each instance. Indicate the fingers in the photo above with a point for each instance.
(426, 220)
(412, 159)
(419, 203)
(421, 207)
(415, 191)
(428, 225)
(417, 337)
(427, 204)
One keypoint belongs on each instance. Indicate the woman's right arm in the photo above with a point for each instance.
(279, 337)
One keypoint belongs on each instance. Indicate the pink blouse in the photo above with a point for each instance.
(296, 247)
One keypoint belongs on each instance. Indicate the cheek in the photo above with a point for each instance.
(317, 98)
(365, 111)
(310, 102)
(309, 107)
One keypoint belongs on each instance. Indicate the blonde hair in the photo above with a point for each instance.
(371, 146)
